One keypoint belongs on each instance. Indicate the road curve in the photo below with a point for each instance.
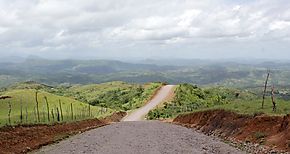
(161, 95)
(142, 137)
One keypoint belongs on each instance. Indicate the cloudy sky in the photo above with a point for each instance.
(145, 28)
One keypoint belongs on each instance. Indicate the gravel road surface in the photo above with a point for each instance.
(140, 137)
(140, 113)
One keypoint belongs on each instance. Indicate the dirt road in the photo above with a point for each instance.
(134, 136)
(140, 137)
(140, 113)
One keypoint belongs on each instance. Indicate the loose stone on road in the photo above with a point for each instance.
(142, 137)
(134, 135)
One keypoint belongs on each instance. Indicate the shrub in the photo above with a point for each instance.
(259, 135)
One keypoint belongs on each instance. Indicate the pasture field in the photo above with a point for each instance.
(189, 98)
(76, 102)
(25, 99)
(254, 107)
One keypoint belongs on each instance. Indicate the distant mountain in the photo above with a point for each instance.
(77, 71)
(201, 72)
(9, 59)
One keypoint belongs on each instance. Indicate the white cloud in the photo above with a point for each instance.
(71, 25)
(279, 25)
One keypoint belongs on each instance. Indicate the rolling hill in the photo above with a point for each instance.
(25, 99)
(88, 101)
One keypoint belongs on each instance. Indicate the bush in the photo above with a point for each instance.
(259, 135)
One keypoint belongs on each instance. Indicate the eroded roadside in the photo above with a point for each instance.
(252, 133)
(22, 139)
(143, 137)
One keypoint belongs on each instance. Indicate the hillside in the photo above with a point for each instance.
(92, 100)
(190, 98)
(115, 95)
(25, 99)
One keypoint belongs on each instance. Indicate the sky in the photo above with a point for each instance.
(88, 29)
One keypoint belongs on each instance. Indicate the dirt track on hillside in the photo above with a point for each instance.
(159, 97)
(140, 137)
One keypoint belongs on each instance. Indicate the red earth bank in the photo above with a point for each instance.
(273, 131)
(22, 139)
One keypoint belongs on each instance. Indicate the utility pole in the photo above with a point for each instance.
(273, 99)
(265, 88)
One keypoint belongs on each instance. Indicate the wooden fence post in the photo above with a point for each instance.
(37, 106)
(72, 112)
(9, 112)
(273, 99)
(21, 113)
(47, 107)
(60, 110)
(52, 114)
(57, 112)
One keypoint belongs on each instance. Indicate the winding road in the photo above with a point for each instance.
(161, 96)
(134, 135)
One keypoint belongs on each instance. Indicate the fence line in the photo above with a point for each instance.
(28, 112)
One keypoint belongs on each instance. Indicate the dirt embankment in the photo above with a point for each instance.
(272, 131)
(116, 117)
(21, 139)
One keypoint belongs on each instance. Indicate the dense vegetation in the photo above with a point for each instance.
(114, 95)
(190, 98)
(121, 99)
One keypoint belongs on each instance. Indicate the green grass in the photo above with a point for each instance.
(259, 135)
(27, 97)
(116, 95)
(88, 93)
(113, 96)
(190, 98)
(255, 106)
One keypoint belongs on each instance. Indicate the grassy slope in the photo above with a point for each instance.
(87, 93)
(116, 95)
(189, 98)
(28, 99)
(254, 106)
